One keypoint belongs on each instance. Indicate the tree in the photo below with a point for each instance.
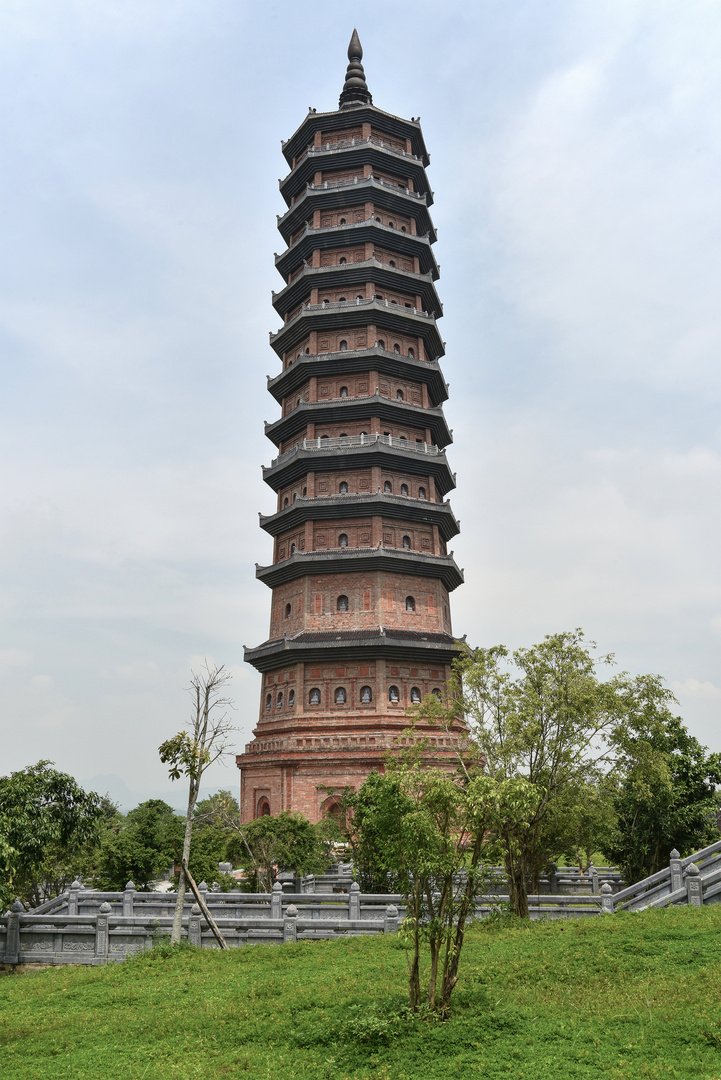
(45, 817)
(141, 847)
(543, 715)
(190, 753)
(286, 842)
(423, 831)
(664, 794)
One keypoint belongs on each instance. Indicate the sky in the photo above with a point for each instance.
(575, 164)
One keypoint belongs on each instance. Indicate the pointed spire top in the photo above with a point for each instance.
(355, 89)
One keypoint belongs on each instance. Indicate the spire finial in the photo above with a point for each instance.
(355, 89)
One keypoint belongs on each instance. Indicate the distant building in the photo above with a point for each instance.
(360, 623)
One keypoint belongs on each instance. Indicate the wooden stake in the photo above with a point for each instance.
(204, 907)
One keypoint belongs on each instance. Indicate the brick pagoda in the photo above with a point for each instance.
(360, 624)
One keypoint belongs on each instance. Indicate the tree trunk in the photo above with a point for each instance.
(180, 900)
(518, 886)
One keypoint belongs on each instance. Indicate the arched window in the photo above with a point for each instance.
(342, 260)
(344, 391)
(324, 437)
(268, 700)
(403, 228)
(263, 808)
(396, 347)
(410, 603)
(343, 436)
(295, 495)
(391, 262)
(393, 694)
(341, 299)
(285, 503)
(381, 343)
(404, 489)
(342, 603)
(279, 700)
(307, 351)
(399, 395)
(292, 549)
(343, 346)
(391, 225)
(314, 696)
(415, 695)
(387, 487)
(411, 354)
(340, 695)
(366, 695)
(421, 493)
(287, 611)
(436, 693)
(343, 540)
(305, 490)
(406, 541)
(360, 296)
(291, 698)
(402, 438)
(343, 487)
(342, 221)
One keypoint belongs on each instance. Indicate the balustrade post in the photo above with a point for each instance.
(101, 933)
(390, 919)
(12, 941)
(290, 924)
(194, 935)
(552, 883)
(354, 901)
(593, 875)
(73, 897)
(128, 897)
(606, 899)
(676, 869)
(276, 901)
(694, 886)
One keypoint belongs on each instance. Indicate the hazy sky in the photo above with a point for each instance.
(575, 161)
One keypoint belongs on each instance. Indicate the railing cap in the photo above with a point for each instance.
(675, 854)
(692, 870)
(104, 908)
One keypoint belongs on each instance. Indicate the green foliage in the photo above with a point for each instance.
(546, 724)
(664, 796)
(142, 849)
(625, 997)
(286, 842)
(413, 830)
(220, 810)
(45, 818)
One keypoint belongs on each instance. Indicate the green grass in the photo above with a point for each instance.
(623, 996)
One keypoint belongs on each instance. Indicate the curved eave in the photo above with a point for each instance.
(390, 317)
(351, 560)
(297, 462)
(338, 119)
(273, 654)
(356, 233)
(354, 362)
(353, 274)
(337, 507)
(342, 409)
(393, 199)
(347, 157)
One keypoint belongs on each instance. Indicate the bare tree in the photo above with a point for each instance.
(191, 752)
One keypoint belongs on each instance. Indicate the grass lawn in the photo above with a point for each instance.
(620, 996)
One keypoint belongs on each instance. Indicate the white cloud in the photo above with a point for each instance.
(11, 659)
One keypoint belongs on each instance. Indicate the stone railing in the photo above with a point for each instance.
(695, 880)
(347, 144)
(83, 926)
(346, 305)
(349, 442)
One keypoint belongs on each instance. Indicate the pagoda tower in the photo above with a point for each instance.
(360, 625)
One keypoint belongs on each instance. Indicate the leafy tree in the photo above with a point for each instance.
(142, 849)
(588, 820)
(190, 753)
(543, 715)
(286, 842)
(220, 810)
(44, 816)
(416, 829)
(664, 795)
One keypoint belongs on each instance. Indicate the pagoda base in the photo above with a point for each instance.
(285, 774)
